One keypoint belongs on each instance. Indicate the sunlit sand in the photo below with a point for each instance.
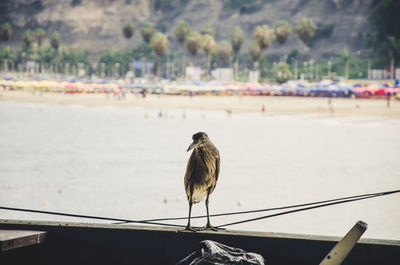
(272, 104)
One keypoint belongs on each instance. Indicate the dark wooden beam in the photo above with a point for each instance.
(91, 243)
(11, 239)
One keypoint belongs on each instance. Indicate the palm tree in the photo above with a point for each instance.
(5, 32)
(305, 29)
(255, 53)
(193, 42)
(208, 45)
(55, 40)
(224, 50)
(159, 43)
(282, 31)
(55, 44)
(208, 29)
(27, 38)
(128, 30)
(237, 39)
(39, 35)
(147, 30)
(6, 52)
(263, 35)
(181, 30)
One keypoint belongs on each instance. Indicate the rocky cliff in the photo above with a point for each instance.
(95, 25)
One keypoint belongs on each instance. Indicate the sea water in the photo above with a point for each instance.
(129, 162)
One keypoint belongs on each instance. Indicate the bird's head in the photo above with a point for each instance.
(198, 140)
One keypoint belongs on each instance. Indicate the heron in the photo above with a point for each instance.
(201, 173)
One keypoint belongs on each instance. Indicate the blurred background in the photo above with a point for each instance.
(110, 38)
(99, 101)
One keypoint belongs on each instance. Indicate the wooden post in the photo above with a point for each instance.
(343, 248)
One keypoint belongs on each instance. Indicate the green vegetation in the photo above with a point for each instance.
(39, 34)
(144, 51)
(192, 42)
(181, 30)
(344, 57)
(208, 44)
(223, 50)
(128, 30)
(55, 40)
(5, 32)
(237, 39)
(305, 29)
(27, 38)
(113, 63)
(47, 55)
(282, 73)
(147, 30)
(264, 36)
(6, 56)
(292, 56)
(385, 20)
(208, 29)
(323, 32)
(51, 56)
(159, 43)
(282, 31)
(255, 52)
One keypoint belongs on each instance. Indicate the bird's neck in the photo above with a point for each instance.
(204, 150)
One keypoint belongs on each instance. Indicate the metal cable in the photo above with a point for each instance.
(350, 199)
(275, 208)
(292, 211)
(85, 216)
(305, 206)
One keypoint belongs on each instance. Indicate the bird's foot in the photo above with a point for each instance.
(208, 226)
(190, 228)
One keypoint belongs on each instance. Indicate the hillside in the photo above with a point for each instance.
(96, 25)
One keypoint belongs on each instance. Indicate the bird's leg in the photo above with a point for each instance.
(208, 225)
(188, 226)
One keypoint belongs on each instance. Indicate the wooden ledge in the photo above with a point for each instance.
(11, 239)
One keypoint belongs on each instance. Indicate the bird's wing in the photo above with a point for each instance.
(217, 164)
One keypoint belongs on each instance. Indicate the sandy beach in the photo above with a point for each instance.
(273, 104)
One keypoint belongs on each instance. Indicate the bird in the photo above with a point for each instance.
(202, 173)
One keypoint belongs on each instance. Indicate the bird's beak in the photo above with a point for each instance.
(191, 146)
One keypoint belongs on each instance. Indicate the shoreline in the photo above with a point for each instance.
(273, 104)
